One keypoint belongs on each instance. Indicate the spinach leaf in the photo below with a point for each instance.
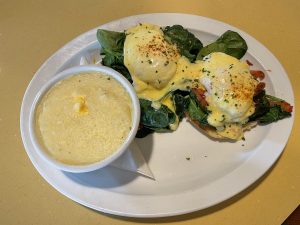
(112, 44)
(185, 41)
(187, 103)
(230, 43)
(275, 113)
(156, 119)
(196, 113)
(111, 41)
(268, 109)
(262, 106)
(273, 99)
(181, 104)
(143, 132)
(285, 106)
(120, 68)
(198, 100)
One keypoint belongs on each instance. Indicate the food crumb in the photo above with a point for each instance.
(188, 158)
(249, 63)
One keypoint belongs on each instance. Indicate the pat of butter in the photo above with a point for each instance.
(80, 105)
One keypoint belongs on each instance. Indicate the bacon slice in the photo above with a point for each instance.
(260, 86)
(258, 74)
(286, 107)
(200, 95)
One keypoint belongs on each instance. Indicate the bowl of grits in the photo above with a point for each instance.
(84, 118)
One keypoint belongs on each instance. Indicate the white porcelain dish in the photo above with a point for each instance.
(215, 171)
(97, 165)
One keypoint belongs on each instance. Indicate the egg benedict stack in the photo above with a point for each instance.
(156, 66)
(229, 91)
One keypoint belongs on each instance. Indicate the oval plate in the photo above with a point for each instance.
(192, 171)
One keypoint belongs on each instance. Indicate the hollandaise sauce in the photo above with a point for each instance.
(83, 118)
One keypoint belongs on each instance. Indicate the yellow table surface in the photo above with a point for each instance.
(31, 31)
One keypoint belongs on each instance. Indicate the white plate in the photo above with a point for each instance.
(216, 170)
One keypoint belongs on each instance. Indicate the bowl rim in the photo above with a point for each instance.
(71, 72)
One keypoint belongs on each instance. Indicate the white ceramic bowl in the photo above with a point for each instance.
(97, 165)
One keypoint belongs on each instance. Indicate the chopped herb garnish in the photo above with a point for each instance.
(206, 71)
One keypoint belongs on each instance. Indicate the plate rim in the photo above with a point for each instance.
(115, 212)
